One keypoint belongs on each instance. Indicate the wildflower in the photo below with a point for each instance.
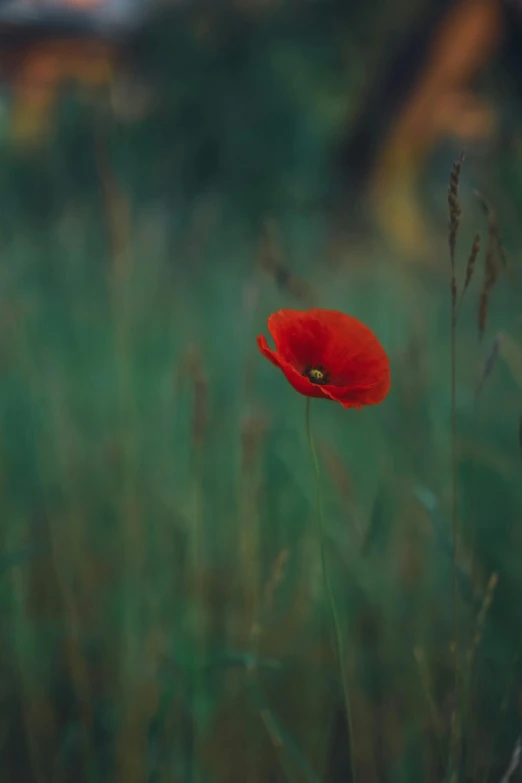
(327, 354)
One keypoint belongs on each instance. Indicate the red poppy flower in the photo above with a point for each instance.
(328, 354)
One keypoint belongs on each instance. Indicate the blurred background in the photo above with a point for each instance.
(171, 173)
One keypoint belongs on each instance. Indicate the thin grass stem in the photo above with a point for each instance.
(456, 723)
(329, 595)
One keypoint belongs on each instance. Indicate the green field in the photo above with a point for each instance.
(163, 612)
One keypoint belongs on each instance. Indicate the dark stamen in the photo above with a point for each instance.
(317, 374)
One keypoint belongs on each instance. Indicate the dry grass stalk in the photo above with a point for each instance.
(475, 249)
(271, 259)
(490, 279)
(494, 252)
(454, 221)
(490, 363)
(511, 353)
(455, 212)
(494, 230)
(470, 268)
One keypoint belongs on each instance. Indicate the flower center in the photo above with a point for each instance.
(317, 374)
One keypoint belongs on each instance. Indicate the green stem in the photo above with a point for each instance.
(456, 729)
(329, 593)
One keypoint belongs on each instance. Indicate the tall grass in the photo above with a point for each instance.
(163, 617)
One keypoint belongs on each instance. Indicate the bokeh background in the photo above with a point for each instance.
(171, 173)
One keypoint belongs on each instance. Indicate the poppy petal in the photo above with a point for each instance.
(299, 339)
(347, 351)
(300, 382)
(347, 348)
(353, 355)
(357, 396)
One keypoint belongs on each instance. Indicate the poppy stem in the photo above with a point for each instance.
(329, 593)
